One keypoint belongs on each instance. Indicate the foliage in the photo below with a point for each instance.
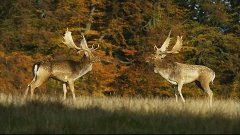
(32, 30)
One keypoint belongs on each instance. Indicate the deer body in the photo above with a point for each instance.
(62, 70)
(66, 71)
(179, 73)
(184, 72)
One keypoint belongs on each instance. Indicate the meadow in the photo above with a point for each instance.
(45, 114)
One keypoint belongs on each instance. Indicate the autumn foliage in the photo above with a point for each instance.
(32, 31)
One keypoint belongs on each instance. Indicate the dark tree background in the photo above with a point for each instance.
(32, 30)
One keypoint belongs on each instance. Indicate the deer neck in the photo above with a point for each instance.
(86, 61)
(164, 64)
(164, 67)
(91, 57)
(85, 65)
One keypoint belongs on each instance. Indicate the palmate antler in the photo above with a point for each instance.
(85, 46)
(176, 48)
(166, 43)
(68, 41)
(84, 43)
(178, 45)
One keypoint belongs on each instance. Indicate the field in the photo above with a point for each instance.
(117, 115)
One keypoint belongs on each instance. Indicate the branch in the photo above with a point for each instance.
(88, 25)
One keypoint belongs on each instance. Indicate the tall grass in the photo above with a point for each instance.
(117, 115)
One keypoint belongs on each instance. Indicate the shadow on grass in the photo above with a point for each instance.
(54, 117)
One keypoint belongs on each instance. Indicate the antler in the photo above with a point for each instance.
(92, 48)
(84, 43)
(176, 48)
(166, 43)
(85, 46)
(68, 41)
(178, 45)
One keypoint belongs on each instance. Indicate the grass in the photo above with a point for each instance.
(117, 115)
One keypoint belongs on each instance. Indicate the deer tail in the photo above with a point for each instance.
(213, 77)
(36, 70)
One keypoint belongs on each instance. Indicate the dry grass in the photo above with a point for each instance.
(117, 115)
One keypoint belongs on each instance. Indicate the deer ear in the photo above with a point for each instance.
(155, 48)
(163, 56)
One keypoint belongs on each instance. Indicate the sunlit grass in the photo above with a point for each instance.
(117, 115)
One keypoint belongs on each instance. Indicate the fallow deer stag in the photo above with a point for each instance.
(66, 71)
(179, 73)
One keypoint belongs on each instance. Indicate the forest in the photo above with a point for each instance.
(126, 30)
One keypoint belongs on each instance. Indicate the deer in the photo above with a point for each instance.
(177, 73)
(65, 71)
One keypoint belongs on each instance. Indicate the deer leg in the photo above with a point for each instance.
(210, 94)
(37, 83)
(207, 89)
(33, 87)
(64, 90)
(71, 85)
(176, 93)
(26, 92)
(180, 91)
(28, 87)
(32, 91)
